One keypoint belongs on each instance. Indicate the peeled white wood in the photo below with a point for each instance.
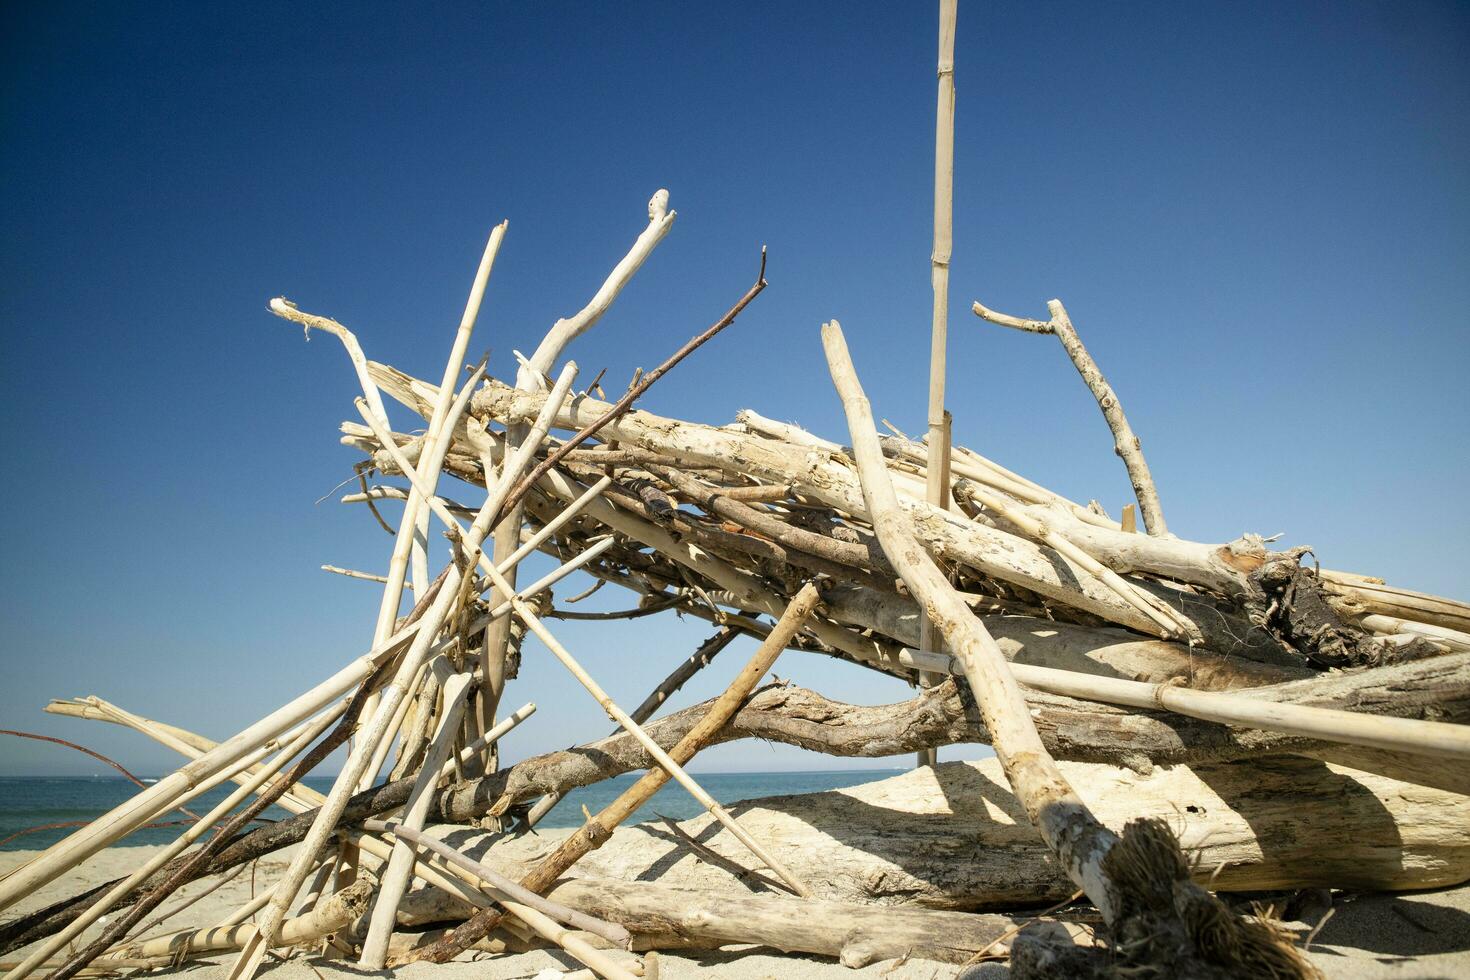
(432, 456)
(1412, 735)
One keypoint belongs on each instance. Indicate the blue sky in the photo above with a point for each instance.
(1257, 214)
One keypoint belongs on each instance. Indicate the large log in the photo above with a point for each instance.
(671, 917)
(1274, 823)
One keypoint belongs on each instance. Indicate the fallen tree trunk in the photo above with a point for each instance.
(1275, 823)
(664, 916)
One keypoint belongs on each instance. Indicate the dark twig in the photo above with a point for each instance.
(96, 755)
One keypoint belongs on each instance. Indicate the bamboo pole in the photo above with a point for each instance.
(937, 483)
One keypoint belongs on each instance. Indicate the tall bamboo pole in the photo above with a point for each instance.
(937, 481)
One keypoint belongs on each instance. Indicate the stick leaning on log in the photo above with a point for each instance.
(1088, 850)
(597, 830)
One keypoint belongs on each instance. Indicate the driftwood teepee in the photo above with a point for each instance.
(1167, 714)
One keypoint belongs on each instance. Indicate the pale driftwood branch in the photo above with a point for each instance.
(1062, 818)
(696, 662)
(1125, 443)
(1007, 557)
(395, 878)
(665, 762)
(333, 915)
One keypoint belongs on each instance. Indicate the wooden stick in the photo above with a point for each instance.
(194, 864)
(487, 564)
(1063, 819)
(394, 879)
(993, 552)
(529, 378)
(353, 573)
(334, 915)
(528, 617)
(1175, 624)
(1413, 735)
(431, 457)
(599, 828)
(497, 882)
(621, 406)
(411, 539)
(1125, 443)
(304, 737)
(456, 878)
(700, 659)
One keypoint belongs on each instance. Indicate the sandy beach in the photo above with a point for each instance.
(1418, 935)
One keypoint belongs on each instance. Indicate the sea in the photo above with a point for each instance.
(61, 804)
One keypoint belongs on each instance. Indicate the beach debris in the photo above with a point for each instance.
(1172, 719)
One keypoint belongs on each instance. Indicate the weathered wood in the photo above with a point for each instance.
(1274, 823)
(665, 916)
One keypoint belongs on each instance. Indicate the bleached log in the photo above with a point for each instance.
(1358, 595)
(672, 916)
(1256, 824)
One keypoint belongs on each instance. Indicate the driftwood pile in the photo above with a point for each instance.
(1168, 716)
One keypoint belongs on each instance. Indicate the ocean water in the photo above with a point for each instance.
(27, 802)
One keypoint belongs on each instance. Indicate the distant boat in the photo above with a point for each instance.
(150, 780)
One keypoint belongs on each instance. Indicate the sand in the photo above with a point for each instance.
(1409, 935)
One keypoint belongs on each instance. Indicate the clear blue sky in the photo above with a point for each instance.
(1257, 214)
